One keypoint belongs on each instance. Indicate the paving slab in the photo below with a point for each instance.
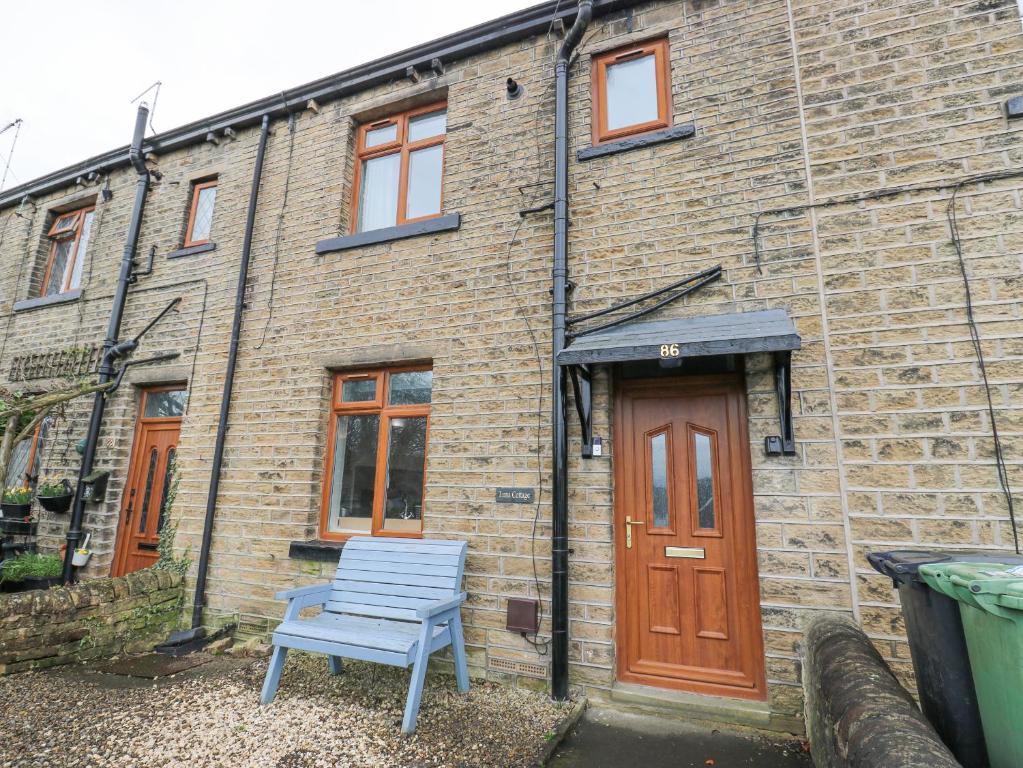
(610, 738)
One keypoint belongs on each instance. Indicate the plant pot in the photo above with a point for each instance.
(40, 582)
(16, 510)
(56, 503)
(18, 527)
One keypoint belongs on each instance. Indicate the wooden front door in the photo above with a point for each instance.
(687, 589)
(149, 476)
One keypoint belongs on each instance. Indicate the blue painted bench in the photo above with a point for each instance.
(392, 601)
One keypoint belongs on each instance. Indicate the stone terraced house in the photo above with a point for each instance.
(804, 192)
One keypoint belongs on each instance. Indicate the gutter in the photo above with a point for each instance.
(559, 480)
(492, 34)
(225, 399)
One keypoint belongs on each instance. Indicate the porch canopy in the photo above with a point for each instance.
(737, 333)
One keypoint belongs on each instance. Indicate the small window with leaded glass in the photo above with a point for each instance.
(200, 214)
(69, 239)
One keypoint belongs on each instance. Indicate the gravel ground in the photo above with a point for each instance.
(212, 718)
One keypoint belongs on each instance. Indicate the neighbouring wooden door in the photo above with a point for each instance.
(144, 504)
(687, 588)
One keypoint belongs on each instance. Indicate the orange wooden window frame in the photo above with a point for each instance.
(386, 412)
(400, 144)
(659, 50)
(196, 189)
(58, 236)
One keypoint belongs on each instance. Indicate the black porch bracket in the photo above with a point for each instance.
(583, 391)
(783, 444)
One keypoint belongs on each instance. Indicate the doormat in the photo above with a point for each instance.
(153, 665)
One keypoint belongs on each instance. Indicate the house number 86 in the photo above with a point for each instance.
(669, 350)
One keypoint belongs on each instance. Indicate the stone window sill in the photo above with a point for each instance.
(192, 250)
(46, 301)
(637, 142)
(451, 221)
(322, 551)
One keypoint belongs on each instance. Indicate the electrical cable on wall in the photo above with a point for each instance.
(280, 228)
(16, 125)
(950, 213)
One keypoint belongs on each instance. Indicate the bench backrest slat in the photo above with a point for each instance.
(391, 578)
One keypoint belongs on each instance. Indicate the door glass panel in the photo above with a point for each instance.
(632, 92)
(160, 405)
(383, 135)
(150, 476)
(703, 451)
(425, 126)
(410, 388)
(425, 167)
(359, 390)
(406, 461)
(378, 193)
(353, 473)
(659, 479)
(168, 478)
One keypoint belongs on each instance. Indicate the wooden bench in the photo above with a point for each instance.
(392, 601)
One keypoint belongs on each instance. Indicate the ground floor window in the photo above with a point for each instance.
(376, 453)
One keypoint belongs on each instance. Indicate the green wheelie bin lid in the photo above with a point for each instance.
(990, 597)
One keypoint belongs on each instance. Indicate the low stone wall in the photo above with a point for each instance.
(95, 619)
(857, 713)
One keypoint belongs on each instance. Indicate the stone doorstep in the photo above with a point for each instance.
(732, 714)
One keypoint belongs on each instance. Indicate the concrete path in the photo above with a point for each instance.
(607, 738)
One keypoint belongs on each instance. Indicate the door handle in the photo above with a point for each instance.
(131, 506)
(629, 522)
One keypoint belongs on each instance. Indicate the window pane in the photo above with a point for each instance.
(632, 92)
(704, 481)
(410, 388)
(406, 461)
(378, 192)
(17, 467)
(203, 221)
(425, 126)
(383, 135)
(359, 390)
(64, 222)
(61, 258)
(165, 404)
(353, 474)
(83, 245)
(659, 478)
(168, 480)
(425, 167)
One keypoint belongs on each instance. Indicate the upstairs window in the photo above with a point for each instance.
(69, 239)
(376, 454)
(200, 214)
(631, 91)
(400, 169)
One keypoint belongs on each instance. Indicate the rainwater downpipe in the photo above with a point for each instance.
(225, 398)
(559, 483)
(111, 348)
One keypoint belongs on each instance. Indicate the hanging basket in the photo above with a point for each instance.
(20, 511)
(60, 503)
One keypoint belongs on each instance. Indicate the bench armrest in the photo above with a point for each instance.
(291, 594)
(441, 606)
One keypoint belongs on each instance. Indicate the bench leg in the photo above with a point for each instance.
(458, 648)
(415, 688)
(334, 664)
(273, 675)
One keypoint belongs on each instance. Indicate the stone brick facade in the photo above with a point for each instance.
(810, 117)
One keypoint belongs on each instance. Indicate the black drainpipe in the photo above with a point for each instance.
(111, 348)
(225, 399)
(559, 484)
